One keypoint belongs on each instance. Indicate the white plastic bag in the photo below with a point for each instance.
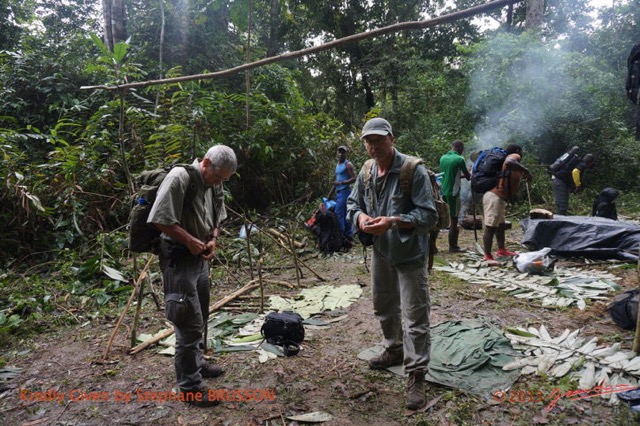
(535, 262)
(243, 231)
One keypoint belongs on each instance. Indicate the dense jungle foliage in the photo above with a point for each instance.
(69, 154)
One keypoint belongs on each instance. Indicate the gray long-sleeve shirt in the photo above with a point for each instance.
(398, 246)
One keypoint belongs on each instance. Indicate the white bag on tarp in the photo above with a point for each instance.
(535, 262)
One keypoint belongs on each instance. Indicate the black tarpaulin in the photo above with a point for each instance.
(587, 236)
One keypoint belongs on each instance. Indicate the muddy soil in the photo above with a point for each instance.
(78, 387)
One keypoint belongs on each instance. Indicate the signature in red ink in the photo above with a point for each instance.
(577, 394)
(522, 396)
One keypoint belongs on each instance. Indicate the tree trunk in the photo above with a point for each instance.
(274, 28)
(114, 22)
(535, 14)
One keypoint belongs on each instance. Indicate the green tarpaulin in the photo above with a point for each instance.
(467, 355)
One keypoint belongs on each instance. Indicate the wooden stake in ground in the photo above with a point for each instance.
(141, 277)
(292, 248)
(636, 340)
(136, 317)
(293, 254)
(261, 285)
(247, 228)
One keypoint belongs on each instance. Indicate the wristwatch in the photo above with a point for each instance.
(394, 223)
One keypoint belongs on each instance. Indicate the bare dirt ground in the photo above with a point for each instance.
(326, 376)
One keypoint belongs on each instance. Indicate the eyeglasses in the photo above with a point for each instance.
(372, 140)
(217, 175)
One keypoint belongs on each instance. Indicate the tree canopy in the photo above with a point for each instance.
(68, 154)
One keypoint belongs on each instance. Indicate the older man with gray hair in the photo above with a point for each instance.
(188, 210)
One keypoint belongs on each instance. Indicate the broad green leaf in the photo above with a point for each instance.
(113, 273)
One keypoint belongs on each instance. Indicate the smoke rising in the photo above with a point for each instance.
(519, 87)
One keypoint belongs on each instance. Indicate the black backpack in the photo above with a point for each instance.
(564, 169)
(487, 170)
(633, 77)
(284, 329)
(624, 309)
(144, 237)
(330, 237)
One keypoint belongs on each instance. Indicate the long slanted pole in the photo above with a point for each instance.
(636, 340)
(401, 26)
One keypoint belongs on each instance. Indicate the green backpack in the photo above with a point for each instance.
(145, 237)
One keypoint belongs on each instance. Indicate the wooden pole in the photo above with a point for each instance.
(166, 333)
(251, 285)
(284, 237)
(292, 247)
(136, 317)
(142, 275)
(247, 230)
(156, 338)
(401, 26)
(636, 340)
(299, 260)
(261, 285)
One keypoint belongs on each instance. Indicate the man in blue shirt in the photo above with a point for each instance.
(345, 176)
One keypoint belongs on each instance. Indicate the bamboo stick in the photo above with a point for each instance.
(166, 333)
(251, 285)
(163, 334)
(136, 285)
(261, 281)
(299, 260)
(636, 340)
(136, 317)
(295, 260)
(284, 237)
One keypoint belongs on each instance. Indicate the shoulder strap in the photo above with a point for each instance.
(367, 171)
(434, 184)
(406, 173)
(192, 189)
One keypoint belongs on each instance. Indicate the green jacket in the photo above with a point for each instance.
(397, 246)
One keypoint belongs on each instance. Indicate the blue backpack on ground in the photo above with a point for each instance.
(487, 170)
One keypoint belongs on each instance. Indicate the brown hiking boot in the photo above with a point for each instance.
(415, 390)
(209, 371)
(387, 359)
(200, 397)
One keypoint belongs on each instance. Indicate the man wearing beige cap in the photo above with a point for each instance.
(399, 221)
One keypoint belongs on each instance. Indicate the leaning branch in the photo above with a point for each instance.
(166, 333)
(401, 26)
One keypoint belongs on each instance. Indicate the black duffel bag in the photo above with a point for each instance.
(284, 329)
